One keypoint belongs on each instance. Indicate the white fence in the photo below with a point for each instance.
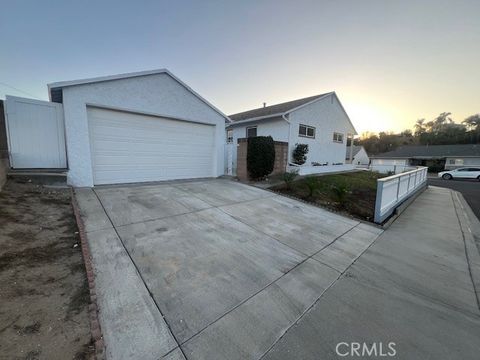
(391, 168)
(35, 133)
(395, 189)
(309, 170)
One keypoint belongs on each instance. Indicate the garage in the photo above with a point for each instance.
(128, 147)
(139, 127)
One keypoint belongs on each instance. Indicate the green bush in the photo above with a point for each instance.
(313, 185)
(340, 191)
(300, 154)
(289, 177)
(260, 156)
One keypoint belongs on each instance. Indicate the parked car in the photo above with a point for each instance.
(461, 173)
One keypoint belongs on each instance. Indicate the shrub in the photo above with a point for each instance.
(288, 177)
(260, 156)
(299, 154)
(340, 191)
(312, 184)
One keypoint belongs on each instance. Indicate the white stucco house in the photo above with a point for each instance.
(136, 127)
(357, 155)
(319, 121)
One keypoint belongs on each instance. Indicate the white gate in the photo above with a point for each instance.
(36, 134)
(229, 159)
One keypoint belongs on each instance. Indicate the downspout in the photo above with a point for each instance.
(351, 148)
(289, 132)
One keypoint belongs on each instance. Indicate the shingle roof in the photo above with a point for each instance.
(356, 149)
(274, 109)
(440, 151)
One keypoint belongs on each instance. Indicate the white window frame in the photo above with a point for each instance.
(307, 127)
(251, 127)
(335, 137)
(229, 136)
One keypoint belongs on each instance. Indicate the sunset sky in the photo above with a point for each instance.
(390, 62)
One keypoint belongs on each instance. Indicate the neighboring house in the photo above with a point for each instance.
(436, 157)
(357, 155)
(319, 121)
(143, 126)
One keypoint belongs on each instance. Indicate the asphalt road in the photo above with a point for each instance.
(470, 190)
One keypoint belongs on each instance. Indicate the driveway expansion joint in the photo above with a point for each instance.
(142, 278)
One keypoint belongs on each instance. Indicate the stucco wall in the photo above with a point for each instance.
(361, 158)
(327, 116)
(157, 94)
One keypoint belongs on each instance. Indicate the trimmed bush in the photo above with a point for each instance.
(340, 191)
(313, 185)
(260, 156)
(300, 154)
(289, 177)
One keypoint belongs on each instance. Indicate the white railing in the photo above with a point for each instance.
(394, 190)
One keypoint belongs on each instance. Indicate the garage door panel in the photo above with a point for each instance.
(133, 148)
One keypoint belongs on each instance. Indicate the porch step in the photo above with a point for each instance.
(55, 177)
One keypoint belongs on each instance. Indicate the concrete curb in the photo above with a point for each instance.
(95, 329)
(469, 225)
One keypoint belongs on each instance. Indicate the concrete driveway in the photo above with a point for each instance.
(209, 269)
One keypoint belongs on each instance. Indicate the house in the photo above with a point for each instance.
(436, 157)
(136, 127)
(357, 155)
(319, 121)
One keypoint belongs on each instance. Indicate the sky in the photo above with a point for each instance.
(390, 62)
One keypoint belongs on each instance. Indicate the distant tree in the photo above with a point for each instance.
(407, 133)
(472, 122)
(419, 127)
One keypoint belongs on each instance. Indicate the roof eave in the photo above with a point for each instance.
(239, 122)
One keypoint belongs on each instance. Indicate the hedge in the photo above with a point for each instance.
(260, 156)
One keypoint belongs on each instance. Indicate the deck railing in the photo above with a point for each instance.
(394, 190)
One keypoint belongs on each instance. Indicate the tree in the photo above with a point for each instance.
(472, 122)
(419, 127)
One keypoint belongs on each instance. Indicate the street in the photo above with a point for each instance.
(470, 189)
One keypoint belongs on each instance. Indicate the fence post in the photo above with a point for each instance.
(378, 202)
(398, 186)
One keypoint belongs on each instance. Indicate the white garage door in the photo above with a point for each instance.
(129, 147)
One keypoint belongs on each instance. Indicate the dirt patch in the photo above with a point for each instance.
(43, 287)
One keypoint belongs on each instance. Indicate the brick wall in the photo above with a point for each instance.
(280, 164)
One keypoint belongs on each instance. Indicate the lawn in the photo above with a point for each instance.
(352, 193)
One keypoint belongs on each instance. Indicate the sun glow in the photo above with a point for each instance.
(370, 117)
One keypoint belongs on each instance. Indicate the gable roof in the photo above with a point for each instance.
(54, 89)
(273, 110)
(439, 151)
(356, 149)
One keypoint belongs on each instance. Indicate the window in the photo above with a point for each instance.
(338, 137)
(251, 131)
(456, 161)
(230, 136)
(306, 131)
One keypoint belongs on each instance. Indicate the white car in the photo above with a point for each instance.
(461, 173)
